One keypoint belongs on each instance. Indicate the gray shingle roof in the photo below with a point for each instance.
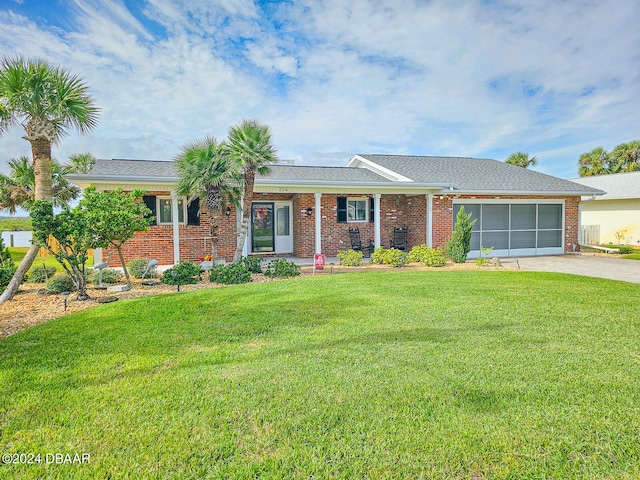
(134, 168)
(477, 175)
(323, 174)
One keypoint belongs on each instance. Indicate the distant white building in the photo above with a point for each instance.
(618, 209)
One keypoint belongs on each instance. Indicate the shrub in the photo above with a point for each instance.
(458, 247)
(391, 256)
(41, 273)
(350, 258)
(6, 273)
(282, 268)
(252, 264)
(623, 249)
(185, 273)
(232, 274)
(427, 256)
(60, 283)
(137, 267)
(486, 251)
(109, 275)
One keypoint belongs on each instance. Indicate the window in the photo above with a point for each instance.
(164, 210)
(356, 210)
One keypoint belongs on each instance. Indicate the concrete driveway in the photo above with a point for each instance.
(613, 268)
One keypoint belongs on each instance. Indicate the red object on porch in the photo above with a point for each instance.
(319, 261)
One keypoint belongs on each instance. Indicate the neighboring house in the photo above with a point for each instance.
(302, 210)
(618, 209)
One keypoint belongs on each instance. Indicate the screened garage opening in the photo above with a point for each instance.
(515, 228)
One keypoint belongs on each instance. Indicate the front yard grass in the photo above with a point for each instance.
(399, 374)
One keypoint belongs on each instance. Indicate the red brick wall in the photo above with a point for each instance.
(396, 211)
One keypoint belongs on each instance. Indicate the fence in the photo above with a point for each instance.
(590, 235)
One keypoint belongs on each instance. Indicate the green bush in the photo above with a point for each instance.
(232, 274)
(6, 273)
(185, 273)
(252, 264)
(60, 283)
(282, 268)
(109, 275)
(427, 256)
(350, 258)
(625, 249)
(391, 256)
(41, 273)
(458, 247)
(137, 266)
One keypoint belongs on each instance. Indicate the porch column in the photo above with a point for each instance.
(176, 227)
(429, 220)
(318, 196)
(376, 219)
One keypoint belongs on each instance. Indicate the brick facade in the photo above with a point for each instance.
(396, 211)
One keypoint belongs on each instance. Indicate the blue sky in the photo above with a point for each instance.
(337, 77)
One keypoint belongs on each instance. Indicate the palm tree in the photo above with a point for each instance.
(251, 149)
(46, 101)
(82, 162)
(521, 159)
(206, 173)
(625, 157)
(595, 162)
(18, 188)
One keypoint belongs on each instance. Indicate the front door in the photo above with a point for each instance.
(271, 230)
(262, 239)
(283, 234)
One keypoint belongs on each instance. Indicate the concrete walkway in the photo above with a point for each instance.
(611, 267)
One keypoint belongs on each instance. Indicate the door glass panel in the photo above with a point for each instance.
(262, 227)
(549, 216)
(523, 217)
(495, 217)
(523, 239)
(549, 238)
(497, 240)
(283, 221)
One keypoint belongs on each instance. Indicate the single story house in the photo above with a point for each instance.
(617, 210)
(302, 210)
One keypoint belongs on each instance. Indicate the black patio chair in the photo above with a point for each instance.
(400, 238)
(356, 243)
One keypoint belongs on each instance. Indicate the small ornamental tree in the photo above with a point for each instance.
(459, 246)
(113, 218)
(69, 229)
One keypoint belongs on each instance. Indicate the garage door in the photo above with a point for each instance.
(515, 228)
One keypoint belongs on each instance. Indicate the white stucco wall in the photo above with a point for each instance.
(612, 216)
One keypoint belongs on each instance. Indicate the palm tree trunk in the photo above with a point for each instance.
(16, 280)
(247, 200)
(214, 228)
(41, 150)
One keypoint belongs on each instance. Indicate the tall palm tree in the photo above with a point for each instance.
(17, 189)
(595, 162)
(206, 173)
(46, 101)
(251, 149)
(521, 159)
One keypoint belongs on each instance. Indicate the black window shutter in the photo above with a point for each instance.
(192, 212)
(371, 209)
(150, 202)
(342, 209)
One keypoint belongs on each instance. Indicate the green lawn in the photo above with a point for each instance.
(15, 223)
(399, 374)
(18, 253)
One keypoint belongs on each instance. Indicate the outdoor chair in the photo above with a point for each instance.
(356, 243)
(400, 239)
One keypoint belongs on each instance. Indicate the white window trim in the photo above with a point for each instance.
(366, 208)
(159, 201)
